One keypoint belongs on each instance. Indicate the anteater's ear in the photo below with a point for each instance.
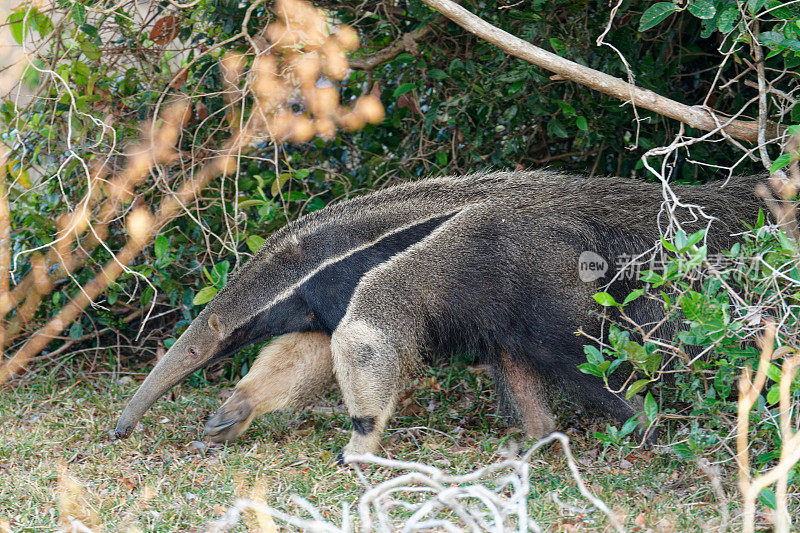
(216, 325)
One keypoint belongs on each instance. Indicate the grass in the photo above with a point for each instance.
(57, 458)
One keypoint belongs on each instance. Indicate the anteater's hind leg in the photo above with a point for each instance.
(289, 372)
(520, 390)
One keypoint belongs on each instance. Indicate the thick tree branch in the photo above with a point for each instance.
(406, 43)
(696, 117)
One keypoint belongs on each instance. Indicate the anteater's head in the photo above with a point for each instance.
(263, 300)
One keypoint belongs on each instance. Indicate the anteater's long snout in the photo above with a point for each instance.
(133, 412)
(153, 388)
(176, 365)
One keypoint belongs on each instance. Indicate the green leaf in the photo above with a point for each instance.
(432, 113)
(205, 295)
(629, 426)
(790, 44)
(516, 86)
(780, 9)
(316, 204)
(79, 13)
(774, 373)
(17, 25)
(220, 273)
(403, 89)
(581, 123)
(437, 74)
(634, 352)
(695, 237)
(76, 330)
(593, 355)
(767, 498)
(591, 369)
(656, 13)
(43, 23)
(635, 387)
(782, 161)
(250, 203)
(786, 242)
(81, 68)
(147, 297)
(728, 19)
(632, 296)
(648, 276)
(254, 243)
(754, 5)
(650, 407)
(91, 50)
(555, 128)
(566, 108)
(557, 44)
(681, 240)
(703, 9)
(277, 185)
(160, 247)
(605, 299)
(652, 362)
(771, 39)
(294, 196)
(89, 30)
(774, 394)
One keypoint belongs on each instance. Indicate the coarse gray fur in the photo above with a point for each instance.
(486, 263)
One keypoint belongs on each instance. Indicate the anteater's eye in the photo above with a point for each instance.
(193, 352)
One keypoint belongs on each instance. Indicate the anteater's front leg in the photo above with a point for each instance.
(288, 373)
(368, 371)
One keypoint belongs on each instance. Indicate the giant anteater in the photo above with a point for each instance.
(485, 263)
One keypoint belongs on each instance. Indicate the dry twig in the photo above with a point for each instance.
(491, 498)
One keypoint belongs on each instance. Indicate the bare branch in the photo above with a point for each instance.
(694, 116)
(406, 43)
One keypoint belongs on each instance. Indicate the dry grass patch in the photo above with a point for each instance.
(57, 458)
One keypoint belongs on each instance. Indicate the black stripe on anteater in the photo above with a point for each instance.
(320, 303)
(328, 292)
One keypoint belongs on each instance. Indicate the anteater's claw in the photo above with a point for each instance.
(214, 427)
(230, 421)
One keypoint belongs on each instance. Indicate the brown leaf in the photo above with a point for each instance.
(406, 100)
(164, 30)
(129, 482)
(160, 353)
(640, 520)
(412, 409)
(179, 79)
(376, 90)
(201, 110)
